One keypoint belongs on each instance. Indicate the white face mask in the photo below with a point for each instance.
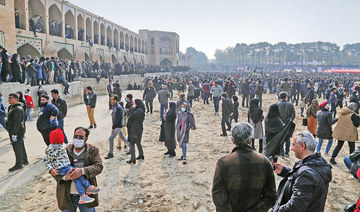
(78, 143)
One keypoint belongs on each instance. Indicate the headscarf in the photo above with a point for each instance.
(172, 111)
(352, 106)
(313, 109)
(140, 104)
(324, 106)
(255, 112)
(274, 111)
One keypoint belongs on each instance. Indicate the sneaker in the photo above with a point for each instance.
(223, 134)
(184, 161)
(91, 127)
(171, 156)
(25, 163)
(92, 190)
(95, 125)
(166, 153)
(326, 153)
(332, 161)
(14, 168)
(109, 156)
(181, 158)
(84, 199)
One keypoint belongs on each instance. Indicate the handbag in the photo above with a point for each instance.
(304, 122)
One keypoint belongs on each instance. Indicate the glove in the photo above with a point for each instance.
(14, 138)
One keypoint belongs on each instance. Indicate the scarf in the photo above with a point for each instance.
(313, 109)
(255, 112)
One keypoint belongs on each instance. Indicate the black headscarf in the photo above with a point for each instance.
(255, 112)
(140, 104)
(274, 111)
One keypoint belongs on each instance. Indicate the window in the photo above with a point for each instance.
(152, 39)
(2, 39)
(152, 50)
(2, 2)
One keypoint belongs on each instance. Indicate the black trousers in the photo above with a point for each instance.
(225, 120)
(339, 146)
(46, 134)
(245, 98)
(19, 150)
(260, 144)
(149, 103)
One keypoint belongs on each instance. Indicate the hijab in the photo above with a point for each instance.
(140, 104)
(255, 112)
(172, 111)
(314, 107)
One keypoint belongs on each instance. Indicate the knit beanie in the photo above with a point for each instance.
(57, 136)
(323, 105)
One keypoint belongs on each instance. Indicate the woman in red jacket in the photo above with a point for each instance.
(29, 103)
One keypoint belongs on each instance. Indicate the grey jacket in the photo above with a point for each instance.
(287, 111)
(216, 91)
(191, 90)
(163, 96)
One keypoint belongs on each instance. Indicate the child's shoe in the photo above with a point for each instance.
(84, 199)
(92, 190)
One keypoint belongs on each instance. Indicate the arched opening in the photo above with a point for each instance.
(80, 23)
(166, 62)
(131, 44)
(122, 40)
(139, 45)
(127, 42)
(116, 40)
(37, 15)
(19, 9)
(102, 34)
(135, 45)
(69, 25)
(109, 33)
(96, 33)
(125, 59)
(64, 54)
(55, 21)
(101, 58)
(113, 59)
(28, 49)
(87, 57)
(165, 46)
(143, 47)
(146, 47)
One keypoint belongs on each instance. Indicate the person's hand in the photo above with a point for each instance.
(278, 168)
(54, 172)
(143, 99)
(76, 173)
(231, 114)
(112, 131)
(67, 176)
(88, 106)
(14, 138)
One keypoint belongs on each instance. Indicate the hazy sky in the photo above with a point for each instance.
(211, 24)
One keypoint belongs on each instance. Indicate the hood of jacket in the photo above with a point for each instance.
(345, 111)
(319, 164)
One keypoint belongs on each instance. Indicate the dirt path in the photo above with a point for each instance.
(158, 183)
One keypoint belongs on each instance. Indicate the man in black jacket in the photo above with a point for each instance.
(47, 121)
(287, 113)
(148, 96)
(15, 126)
(305, 186)
(310, 94)
(90, 102)
(227, 111)
(117, 124)
(62, 107)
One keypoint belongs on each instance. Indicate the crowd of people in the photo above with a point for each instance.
(303, 188)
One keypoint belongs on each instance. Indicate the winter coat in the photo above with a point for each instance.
(355, 161)
(232, 181)
(15, 69)
(15, 123)
(163, 96)
(43, 122)
(92, 166)
(235, 110)
(117, 116)
(245, 88)
(346, 127)
(29, 101)
(5, 68)
(90, 99)
(149, 93)
(324, 123)
(191, 90)
(227, 107)
(310, 95)
(135, 124)
(305, 186)
(333, 98)
(61, 106)
(169, 129)
(287, 111)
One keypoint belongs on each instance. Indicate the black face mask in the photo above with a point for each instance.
(43, 104)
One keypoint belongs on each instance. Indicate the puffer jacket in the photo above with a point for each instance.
(324, 123)
(346, 127)
(305, 186)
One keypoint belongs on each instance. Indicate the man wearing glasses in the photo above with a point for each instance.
(86, 160)
(305, 186)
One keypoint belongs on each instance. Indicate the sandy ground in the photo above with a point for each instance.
(158, 183)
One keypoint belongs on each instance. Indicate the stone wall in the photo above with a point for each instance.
(76, 89)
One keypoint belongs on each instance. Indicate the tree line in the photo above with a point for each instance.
(282, 53)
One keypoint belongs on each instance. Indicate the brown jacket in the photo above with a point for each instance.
(92, 167)
(345, 129)
(244, 181)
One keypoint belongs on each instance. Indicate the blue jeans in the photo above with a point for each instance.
(216, 103)
(61, 126)
(184, 148)
(287, 147)
(28, 111)
(80, 182)
(76, 205)
(3, 121)
(328, 146)
(163, 108)
(347, 162)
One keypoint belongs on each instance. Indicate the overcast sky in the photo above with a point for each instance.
(211, 24)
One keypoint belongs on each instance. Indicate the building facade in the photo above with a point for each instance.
(163, 47)
(66, 31)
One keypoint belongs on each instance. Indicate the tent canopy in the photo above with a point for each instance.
(343, 70)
